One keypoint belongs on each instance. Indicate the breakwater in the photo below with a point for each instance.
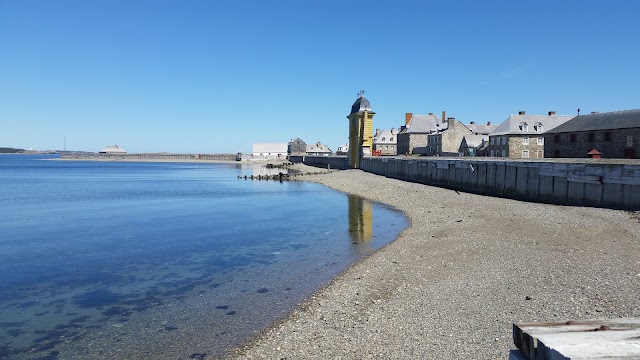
(152, 156)
(600, 183)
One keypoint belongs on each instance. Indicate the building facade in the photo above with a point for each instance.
(360, 130)
(447, 142)
(614, 134)
(385, 142)
(521, 136)
(318, 149)
(297, 147)
(342, 150)
(269, 151)
(412, 137)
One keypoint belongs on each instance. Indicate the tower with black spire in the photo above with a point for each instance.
(360, 130)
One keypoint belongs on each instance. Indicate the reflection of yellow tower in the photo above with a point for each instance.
(360, 130)
(360, 219)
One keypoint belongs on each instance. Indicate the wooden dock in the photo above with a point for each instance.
(584, 339)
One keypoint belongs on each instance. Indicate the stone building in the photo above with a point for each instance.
(478, 143)
(297, 147)
(385, 142)
(318, 149)
(472, 145)
(614, 134)
(520, 136)
(412, 137)
(447, 141)
(360, 130)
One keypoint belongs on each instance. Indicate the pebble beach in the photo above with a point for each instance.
(455, 281)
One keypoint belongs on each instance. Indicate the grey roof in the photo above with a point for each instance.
(424, 124)
(361, 104)
(475, 140)
(389, 138)
(601, 121)
(511, 126)
(317, 147)
(483, 129)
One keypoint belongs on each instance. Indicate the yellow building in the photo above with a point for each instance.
(360, 130)
(360, 219)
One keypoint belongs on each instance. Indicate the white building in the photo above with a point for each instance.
(269, 151)
(113, 149)
(343, 149)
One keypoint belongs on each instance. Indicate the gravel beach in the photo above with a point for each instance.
(453, 283)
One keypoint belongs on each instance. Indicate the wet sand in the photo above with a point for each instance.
(453, 283)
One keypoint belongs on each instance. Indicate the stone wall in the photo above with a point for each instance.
(615, 148)
(516, 146)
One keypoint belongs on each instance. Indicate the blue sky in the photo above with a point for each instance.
(217, 76)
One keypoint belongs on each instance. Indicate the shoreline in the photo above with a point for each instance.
(256, 162)
(455, 280)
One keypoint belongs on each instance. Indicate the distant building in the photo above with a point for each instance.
(520, 136)
(113, 149)
(614, 134)
(360, 130)
(448, 140)
(297, 147)
(478, 143)
(342, 149)
(385, 142)
(269, 151)
(412, 137)
(318, 149)
(473, 145)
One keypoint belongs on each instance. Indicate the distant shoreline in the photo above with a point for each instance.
(244, 162)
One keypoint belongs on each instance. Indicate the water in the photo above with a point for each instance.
(164, 260)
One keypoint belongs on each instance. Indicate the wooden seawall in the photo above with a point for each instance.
(610, 184)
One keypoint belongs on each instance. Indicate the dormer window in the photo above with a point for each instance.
(383, 139)
(524, 127)
(391, 139)
(538, 127)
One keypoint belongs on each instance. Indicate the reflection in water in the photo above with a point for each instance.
(360, 219)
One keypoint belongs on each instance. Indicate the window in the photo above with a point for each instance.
(592, 136)
(540, 154)
(607, 136)
(383, 139)
(525, 140)
(504, 140)
(540, 141)
(556, 138)
(525, 154)
(538, 127)
(493, 153)
(391, 139)
(574, 137)
(504, 153)
(524, 127)
(491, 140)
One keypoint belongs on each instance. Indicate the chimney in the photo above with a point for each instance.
(444, 116)
(521, 112)
(488, 123)
(393, 131)
(450, 121)
(552, 113)
(430, 113)
(377, 132)
(407, 117)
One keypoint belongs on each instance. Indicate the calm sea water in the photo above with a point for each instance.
(164, 260)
